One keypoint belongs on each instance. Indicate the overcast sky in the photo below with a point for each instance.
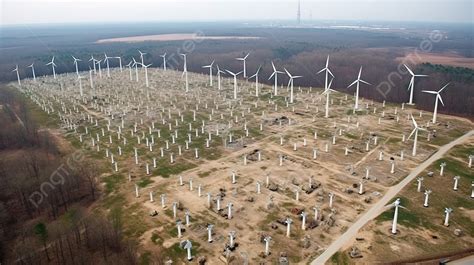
(77, 11)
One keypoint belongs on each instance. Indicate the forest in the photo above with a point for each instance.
(45, 191)
(302, 51)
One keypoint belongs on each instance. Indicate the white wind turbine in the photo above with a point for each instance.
(33, 71)
(256, 80)
(411, 86)
(141, 58)
(146, 73)
(135, 64)
(219, 72)
(415, 133)
(290, 82)
(327, 73)
(17, 74)
(244, 59)
(210, 71)
(100, 68)
(53, 65)
(79, 78)
(275, 73)
(358, 81)
(185, 71)
(396, 205)
(120, 62)
(438, 98)
(328, 91)
(164, 61)
(93, 62)
(106, 60)
(90, 77)
(76, 65)
(235, 81)
(129, 65)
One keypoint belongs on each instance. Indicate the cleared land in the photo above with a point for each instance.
(451, 59)
(118, 115)
(174, 37)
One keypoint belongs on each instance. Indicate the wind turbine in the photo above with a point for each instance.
(90, 77)
(235, 81)
(146, 73)
(358, 81)
(120, 62)
(106, 60)
(129, 65)
(135, 64)
(411, 86)
(79, 77)
(244, 60)
(210, 71)
(438, 97)
(290, 82)
(100, 69)
(93, 62)
(164, 61)
(141, 58)
(33, 71)
(75, 63)
(53, 65)
(185, 71)
(415, 133)
(256, 80)
(396, 205)
(327, 72)
(327, 91)
(275, 73)
(17, 74)
(219, 71)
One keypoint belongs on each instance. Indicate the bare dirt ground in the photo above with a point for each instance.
(451, 59)
(173, 37)
(118, 108)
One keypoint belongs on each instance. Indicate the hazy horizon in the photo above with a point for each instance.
(109, 11)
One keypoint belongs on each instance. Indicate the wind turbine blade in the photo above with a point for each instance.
(274, 69)
(421, 75)
(412, 132)
(414, 121)
(271, 75)
(320, 71)
(411, 83)
(367, 83)
(443, 88)
(329, 71)
(440, 99)
(409, 70)
(288, 73)
(330, 84)
(429, 92)
(352, 83)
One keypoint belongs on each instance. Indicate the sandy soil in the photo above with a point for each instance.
(173, 37)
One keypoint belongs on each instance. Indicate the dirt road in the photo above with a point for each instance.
(379, 207)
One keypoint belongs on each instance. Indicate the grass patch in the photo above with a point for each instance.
(112, 182)
(407, 218)
(167, 171)
(142, 183)
(339, 258)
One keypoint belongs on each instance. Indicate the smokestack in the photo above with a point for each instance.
(298, 14)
